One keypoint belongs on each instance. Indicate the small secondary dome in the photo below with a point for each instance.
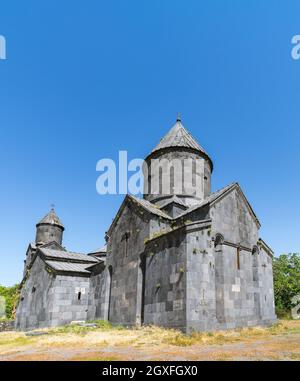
(51, 219)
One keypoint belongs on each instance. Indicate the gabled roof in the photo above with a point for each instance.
(31, 247)
(218, 195)
(51, 219)
(102, 261)
(152, 208)
(53, 245)
(67, 255)
(212, 197)
(266, 247)
(63, 261)
(69, 267)
(190, 226)
(102, 250)
(179, 137)
(144, 204)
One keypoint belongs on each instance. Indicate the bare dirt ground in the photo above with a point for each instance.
(105, 343)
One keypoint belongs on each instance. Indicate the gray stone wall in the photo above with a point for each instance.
(97, 304)
(66, 305)
(266, 286)
(236, 287)
(232, 219)
(165, 281)
(36, 298)
(197, 215)
(50, 300)
(201, 292)
(240, 282)
(123, 257)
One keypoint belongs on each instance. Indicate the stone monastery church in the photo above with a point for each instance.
(173, 260)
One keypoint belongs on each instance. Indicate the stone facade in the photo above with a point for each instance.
(194, 262)
(50, 300)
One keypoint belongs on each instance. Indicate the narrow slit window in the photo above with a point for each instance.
(194, 173)
(160, 175)
(172, 176)
(238, 259)
(79, 295)
(126, 238)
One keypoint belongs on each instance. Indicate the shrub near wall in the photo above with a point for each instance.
(10, 294)
(286, 269)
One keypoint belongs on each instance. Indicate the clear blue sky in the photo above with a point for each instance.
(83, 80)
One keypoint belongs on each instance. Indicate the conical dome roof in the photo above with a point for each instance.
(51, 219)
(179, 137)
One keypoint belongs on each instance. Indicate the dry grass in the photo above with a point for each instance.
(232, 336)
(107, 343)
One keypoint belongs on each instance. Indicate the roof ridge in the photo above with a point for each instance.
(65, 251)
(208, 199)
(152, 208)
(215, 196)
(68, 266)
(102, 249)
(68, 255)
